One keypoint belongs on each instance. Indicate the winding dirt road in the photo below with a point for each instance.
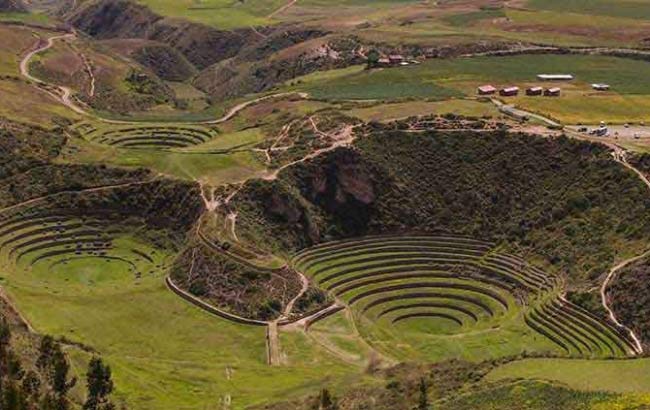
(603, 296)
(64, 94)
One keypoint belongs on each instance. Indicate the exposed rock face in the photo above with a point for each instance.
(12, 6)
(345, 188)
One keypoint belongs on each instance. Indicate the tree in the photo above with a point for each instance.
(59, 372)
(423, 402)
(100, 385)
(31, 384)
(13, 398)
(53, 401)
(326, 401)
(373, 58)
(54, 365)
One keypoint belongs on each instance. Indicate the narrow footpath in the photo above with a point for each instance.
(620, 155)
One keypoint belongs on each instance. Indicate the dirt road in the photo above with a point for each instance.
(64, 94)
(282, 9)
(237, 108)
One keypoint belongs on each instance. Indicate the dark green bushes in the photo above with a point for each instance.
(564, 200)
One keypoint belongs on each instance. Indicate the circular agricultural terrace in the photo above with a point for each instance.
(449, 286)
(148, 136)
(47, 240)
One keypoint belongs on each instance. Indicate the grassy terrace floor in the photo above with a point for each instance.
(431, 298)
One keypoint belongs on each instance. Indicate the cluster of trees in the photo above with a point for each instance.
(46, 384)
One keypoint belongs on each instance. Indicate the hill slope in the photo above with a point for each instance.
(559, 198)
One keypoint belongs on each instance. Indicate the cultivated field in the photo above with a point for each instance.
(629, 100)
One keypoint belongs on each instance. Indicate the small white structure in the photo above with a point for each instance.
(600, 87)
(555, 77)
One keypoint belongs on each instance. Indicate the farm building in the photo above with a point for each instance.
(555, 77)
(396, 59)
(383, 62)
(509, 91)
(534, 91)
(486, 90)
(600, 87)
(552, 92)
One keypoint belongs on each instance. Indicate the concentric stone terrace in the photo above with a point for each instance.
(31, 237)
(148, 137)
(577, 331)
(460, 284)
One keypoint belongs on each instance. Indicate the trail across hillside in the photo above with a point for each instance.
(282, 9)
(80, 191)
(619, 155)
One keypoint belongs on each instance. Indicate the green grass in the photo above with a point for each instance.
(529, 395)
(34, 18)
(213, 168)
(386, 84)
(636, 9)
(223, 14)
(164, 352)
(621, 376)
(467, 19)
(18, 101)
(430, 339)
